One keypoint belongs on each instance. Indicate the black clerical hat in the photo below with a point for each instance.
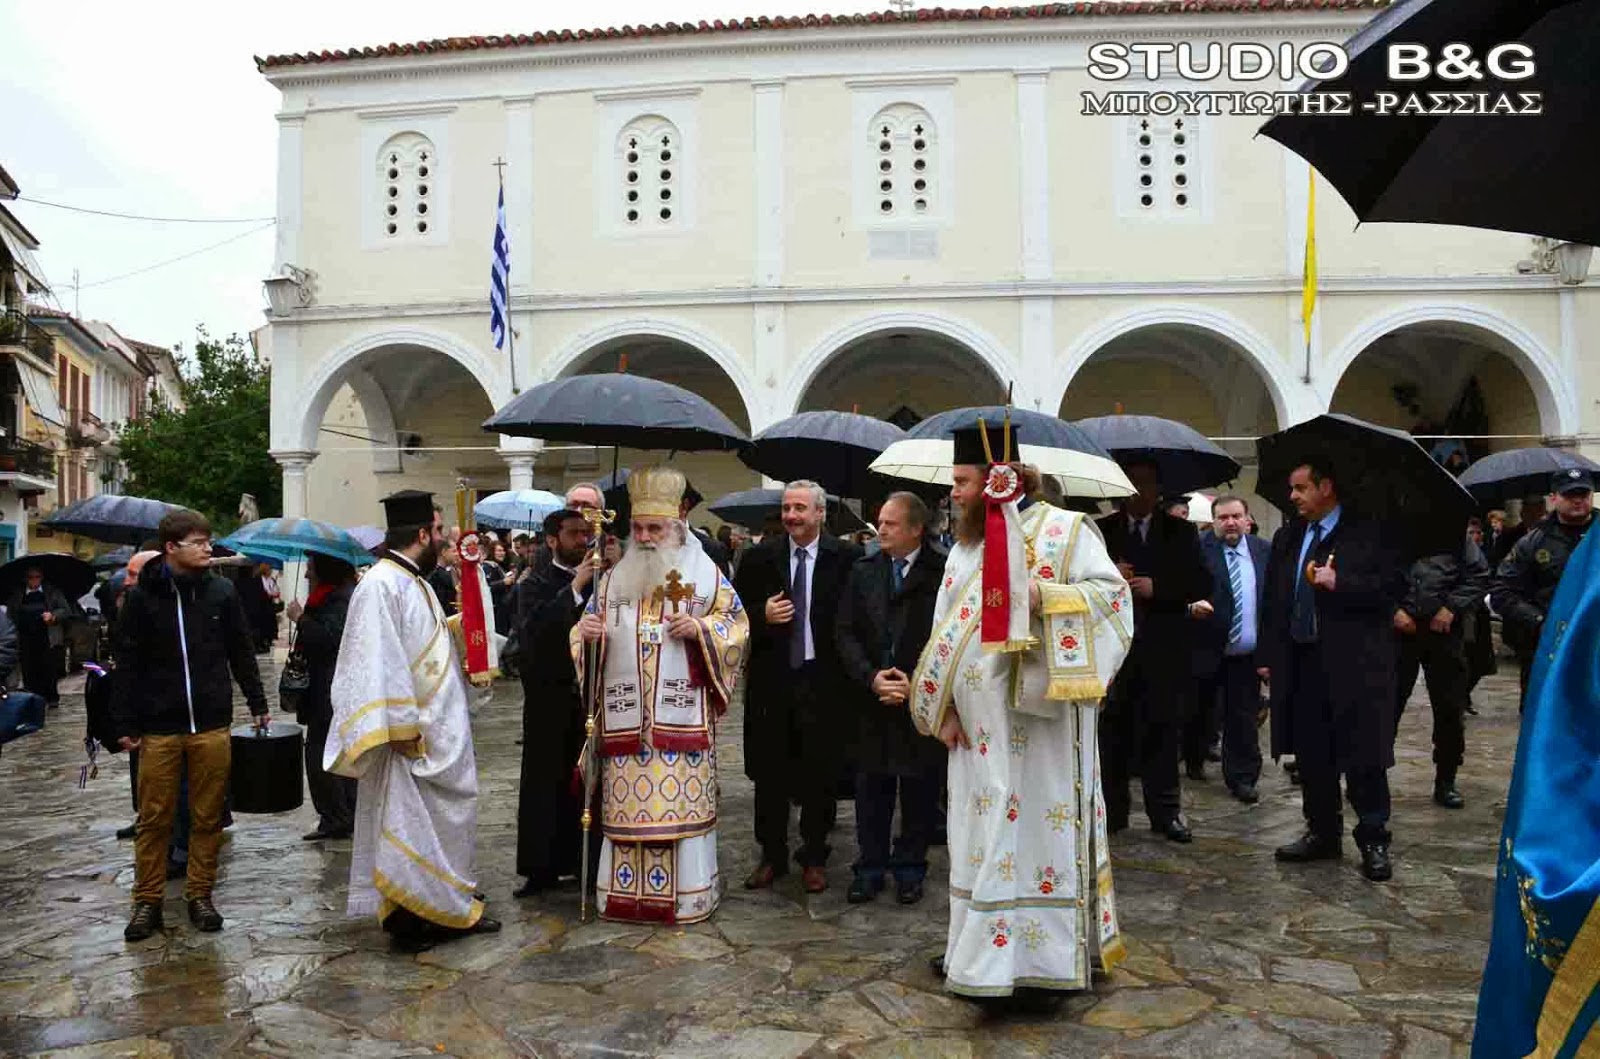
(408, 508)
(969, 444)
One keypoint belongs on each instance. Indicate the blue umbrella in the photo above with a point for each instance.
(834, 449)
(1186, 459)
(289, 539)
(1033, 428)
(517, 509)
(1518, 473)
(113, 519)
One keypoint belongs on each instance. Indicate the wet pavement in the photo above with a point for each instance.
(1230, 953)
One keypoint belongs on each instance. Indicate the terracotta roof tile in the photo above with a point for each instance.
(764, 23)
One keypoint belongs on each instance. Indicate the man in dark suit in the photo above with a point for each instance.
(1159, 555)
(549, 602)
(795, 705)
(1225, 645)
(1328, 653)
(885, 616)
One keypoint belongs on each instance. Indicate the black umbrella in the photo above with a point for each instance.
(1381, 473)
(114, 559)
(614, 487)
(113, 519)
(1186, 458)
(832, 449)
(752, 507)
(1034, 428)
(619, 410)
(70, 574)
(1518, 473)
(1512, 172)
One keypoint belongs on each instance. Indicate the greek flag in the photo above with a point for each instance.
(499, 275)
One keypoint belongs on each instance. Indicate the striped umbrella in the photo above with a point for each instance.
(289, 539)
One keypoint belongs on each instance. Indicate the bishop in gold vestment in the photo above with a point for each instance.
(672, 636)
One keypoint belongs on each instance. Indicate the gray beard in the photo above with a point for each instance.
(642, 570)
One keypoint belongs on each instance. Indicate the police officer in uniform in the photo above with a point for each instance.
(1527, 578)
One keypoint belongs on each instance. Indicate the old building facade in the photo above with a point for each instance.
(895, 215)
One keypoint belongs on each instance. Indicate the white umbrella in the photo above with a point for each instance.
(1081, 474)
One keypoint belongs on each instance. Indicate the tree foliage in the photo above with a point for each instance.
(205, 454)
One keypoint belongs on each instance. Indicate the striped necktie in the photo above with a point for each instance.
(1236, 583)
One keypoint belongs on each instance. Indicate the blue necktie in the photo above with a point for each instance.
(1236, 583)
(798, 595)
(1303, 612)
(898, 578)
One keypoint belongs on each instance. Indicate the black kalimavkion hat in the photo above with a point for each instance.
(969, 448)
(408, 508)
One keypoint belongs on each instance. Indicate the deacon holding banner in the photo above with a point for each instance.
(400, 726)
(671, 635)
(1030, 626)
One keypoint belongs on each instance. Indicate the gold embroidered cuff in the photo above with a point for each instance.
(1062, 599)
(1075, 689)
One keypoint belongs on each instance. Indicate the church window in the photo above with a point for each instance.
(407, 166)
(902, 138)
(1165, 176)
(649, 165)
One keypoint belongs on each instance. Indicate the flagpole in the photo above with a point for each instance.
(505, 234)
(1308, 293)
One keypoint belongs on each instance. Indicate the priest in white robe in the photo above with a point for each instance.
(401, 727)
(1031, 624)
(671, 636)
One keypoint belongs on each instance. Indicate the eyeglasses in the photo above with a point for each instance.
(204, 545)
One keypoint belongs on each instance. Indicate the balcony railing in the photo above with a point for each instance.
(24, 457)
(17, 330)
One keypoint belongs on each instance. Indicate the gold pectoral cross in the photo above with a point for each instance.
(675, 591)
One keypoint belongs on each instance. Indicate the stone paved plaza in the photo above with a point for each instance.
(1230, 954)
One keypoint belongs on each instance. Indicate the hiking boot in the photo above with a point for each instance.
(204, 915)
(146, 921)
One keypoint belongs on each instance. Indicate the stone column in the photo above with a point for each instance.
(521, 467)
(294, 464)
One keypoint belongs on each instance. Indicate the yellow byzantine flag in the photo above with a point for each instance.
(1308, 294)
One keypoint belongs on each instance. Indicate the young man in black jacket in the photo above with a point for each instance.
(180, 632)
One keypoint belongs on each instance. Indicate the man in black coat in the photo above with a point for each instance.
(885, 616)
(1526, 580)
(1159, 555)
(549, 603)
(796, 705)
(1430, 630)
(1333, 583)
(1226, 641)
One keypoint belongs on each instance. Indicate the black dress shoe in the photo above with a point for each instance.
(1196, 771)
(128, 832)
(909, 891)
(1445, 794)
(529, 889)
(1293, 769)
(863, 888)
(1309, 847)
(1247, 793)
(1175, 829)
(1375, 863)
(936, 965)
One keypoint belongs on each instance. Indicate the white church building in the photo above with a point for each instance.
(895, 214)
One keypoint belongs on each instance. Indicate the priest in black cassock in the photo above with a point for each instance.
(548, 604)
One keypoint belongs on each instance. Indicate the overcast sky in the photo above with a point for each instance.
(157, 109)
